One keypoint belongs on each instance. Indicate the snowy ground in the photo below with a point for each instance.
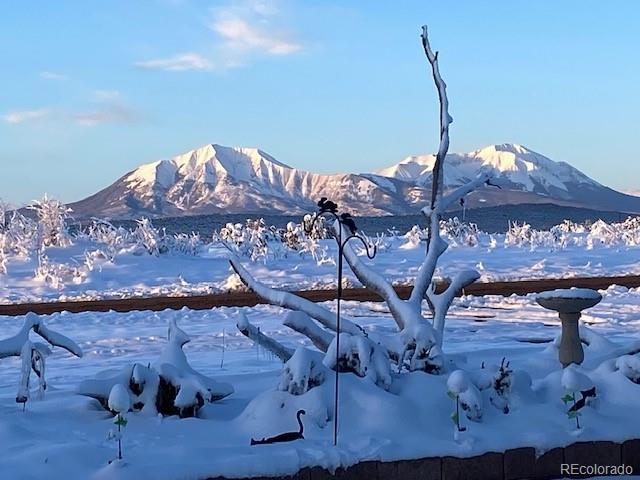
(64, 435)
(129, 275)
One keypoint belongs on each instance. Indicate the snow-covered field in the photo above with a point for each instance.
(65, 435)
(115, 263)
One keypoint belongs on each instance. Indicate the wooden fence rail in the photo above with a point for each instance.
(247, 299)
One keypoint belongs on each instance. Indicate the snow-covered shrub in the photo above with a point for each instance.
(625, 233)
(3, 256)
(119, 402)
(413, 238)
(362, 356)
(184, 244)
(629, 366)
(57, 275)
(421, 351)
(460, 233)
(249, 240)
(20, 236)
(501, 387)
(52, 222)
(302, 372)
(316, 229)
(169, 386)
(149, 239)
(467, 395)
(112, 238)
(520, 235)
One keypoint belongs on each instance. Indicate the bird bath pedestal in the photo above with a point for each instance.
(569, 305)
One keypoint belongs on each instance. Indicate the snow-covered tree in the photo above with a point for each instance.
(417, 346)
(33, 353)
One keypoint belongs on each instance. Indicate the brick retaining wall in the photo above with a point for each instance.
(519, 463)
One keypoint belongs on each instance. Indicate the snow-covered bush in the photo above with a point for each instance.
(21, 236)
(302, 372)
(629, 366)
(169, 386)
(119, 402)
(362, 356)
(112, 239)
(460, 233)
(414, 237)
(501, 384)
(57, 275)
(249, 240)
(149, 239)
(52, 222)
(467, 396)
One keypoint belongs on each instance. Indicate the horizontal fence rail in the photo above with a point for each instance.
(249, 299)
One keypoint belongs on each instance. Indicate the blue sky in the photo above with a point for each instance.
(90, 90)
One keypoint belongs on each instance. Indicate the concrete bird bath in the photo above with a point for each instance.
(569, 304)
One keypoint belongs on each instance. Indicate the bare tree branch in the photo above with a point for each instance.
(445, 119)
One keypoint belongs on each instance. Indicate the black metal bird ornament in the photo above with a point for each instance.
(327, 205)
(348, 222)
(284, 437)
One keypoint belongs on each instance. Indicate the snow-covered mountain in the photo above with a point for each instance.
(218, 179)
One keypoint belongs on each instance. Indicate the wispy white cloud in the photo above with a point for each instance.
(243, 30)
(107, 106)
(107, 114)
(47, 75)
(25, 116)
(250, 28)
(106, 95)
(178, 63)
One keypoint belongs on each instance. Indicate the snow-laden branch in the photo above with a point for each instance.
(12, 346)
(460, 192)
(253, 333)
(441, 302)
(302, 323)
(293, 302)
(372, 279)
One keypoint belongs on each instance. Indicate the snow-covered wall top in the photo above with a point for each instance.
(219, 179)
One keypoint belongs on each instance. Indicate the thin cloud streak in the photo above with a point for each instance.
(178, 63)
(244, 30)
(47, 75)
(25, 116)
(111, 114)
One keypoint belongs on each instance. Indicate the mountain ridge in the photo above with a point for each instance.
(220, 179)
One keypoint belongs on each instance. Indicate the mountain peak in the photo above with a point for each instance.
(219, 179)
(514, 148)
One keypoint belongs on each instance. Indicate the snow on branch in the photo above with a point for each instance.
(12, 346)
(302, 323)
(253, 333)
(293, 302)
(372, 279)
(455, 196)
(441, 302)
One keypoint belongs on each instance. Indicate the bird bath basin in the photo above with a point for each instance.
(569, 304)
